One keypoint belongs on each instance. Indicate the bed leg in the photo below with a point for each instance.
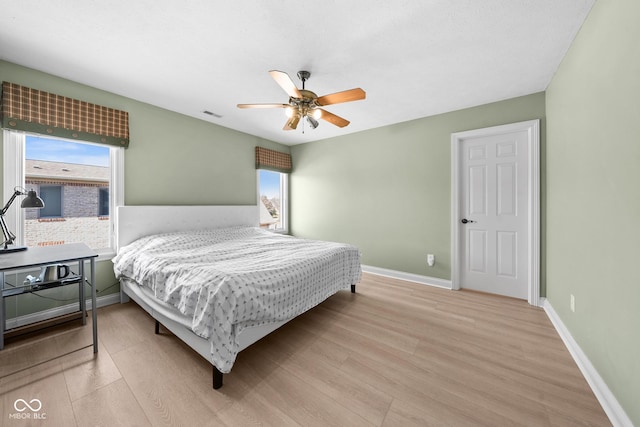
(217, 378)
(353, 289)
(157, 327)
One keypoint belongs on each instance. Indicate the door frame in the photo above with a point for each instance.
(532, 127)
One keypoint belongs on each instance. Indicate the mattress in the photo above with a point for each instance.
(225, 280)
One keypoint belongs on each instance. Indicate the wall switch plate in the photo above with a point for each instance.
(572, 304)
(431, 259)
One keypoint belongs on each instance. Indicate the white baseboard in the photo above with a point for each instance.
(417, 278)
(612, 408)
(16, 322)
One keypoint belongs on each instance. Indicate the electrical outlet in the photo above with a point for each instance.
(572, 304)
(431, 259)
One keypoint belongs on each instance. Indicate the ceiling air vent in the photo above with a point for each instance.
(209, 113)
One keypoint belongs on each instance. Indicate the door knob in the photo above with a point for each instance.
(465, 220)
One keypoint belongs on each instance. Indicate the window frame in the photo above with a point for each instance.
(284, 202)
(13, 147)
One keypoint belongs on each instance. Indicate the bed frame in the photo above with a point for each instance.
(134, 222)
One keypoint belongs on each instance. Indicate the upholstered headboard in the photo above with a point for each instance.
(134, 222)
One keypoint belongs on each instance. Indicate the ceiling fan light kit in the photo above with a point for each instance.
(306, 104)
(312, 122)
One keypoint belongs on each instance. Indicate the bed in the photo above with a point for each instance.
(217, 281)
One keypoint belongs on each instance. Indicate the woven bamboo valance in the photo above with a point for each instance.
(273, 160)
(37, 111)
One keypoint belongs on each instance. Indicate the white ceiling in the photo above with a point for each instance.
(414, 58)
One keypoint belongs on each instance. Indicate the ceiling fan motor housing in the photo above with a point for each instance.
(306, 105)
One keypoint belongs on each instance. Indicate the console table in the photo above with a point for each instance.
(35, 257)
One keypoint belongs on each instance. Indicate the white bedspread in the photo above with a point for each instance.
(228, 279)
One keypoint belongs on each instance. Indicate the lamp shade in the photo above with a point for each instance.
(32, 201)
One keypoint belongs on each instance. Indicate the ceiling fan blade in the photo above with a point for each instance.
(344, 96)
(333, 119)
(263, 105)
(286, 83)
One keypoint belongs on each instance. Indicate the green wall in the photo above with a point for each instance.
(388, 190)
(172, 159)
(593, 194)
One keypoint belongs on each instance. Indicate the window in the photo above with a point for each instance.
(272, 200)
(51, 195)
(80, 183)
(103, 201)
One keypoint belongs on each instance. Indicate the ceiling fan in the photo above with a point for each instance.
(304, 104)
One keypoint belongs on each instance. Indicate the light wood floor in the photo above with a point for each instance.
(393, 354)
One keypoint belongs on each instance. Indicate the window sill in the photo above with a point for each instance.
(105, 255)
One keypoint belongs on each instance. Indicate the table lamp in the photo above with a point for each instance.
(31, 201)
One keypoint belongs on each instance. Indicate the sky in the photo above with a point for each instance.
(56, 150)
(269, 184)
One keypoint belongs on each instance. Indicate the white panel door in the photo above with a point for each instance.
(494, 213)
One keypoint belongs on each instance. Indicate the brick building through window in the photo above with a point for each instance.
(76, 200)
